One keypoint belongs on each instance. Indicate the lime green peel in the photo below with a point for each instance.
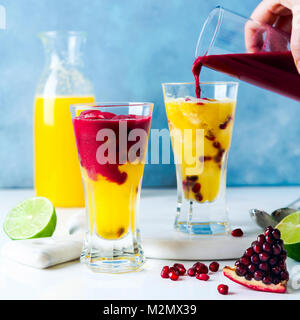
(290, 234)
(32, 218)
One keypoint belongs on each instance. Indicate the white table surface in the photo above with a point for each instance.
(75, 281)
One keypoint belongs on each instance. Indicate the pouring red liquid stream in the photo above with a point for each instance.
(274, 71)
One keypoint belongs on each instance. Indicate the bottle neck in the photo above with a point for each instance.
(63, 74)
(63, 49)
(56, 61)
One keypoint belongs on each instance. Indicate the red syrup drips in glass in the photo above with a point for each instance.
(87, 126)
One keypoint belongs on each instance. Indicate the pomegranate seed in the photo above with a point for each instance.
(258, 275)
(276, 234)
(264, 256)
(197, 264)
(173, 275)
(199, 197)
(214, 266)
(241, 271)
(202, 276)
(257, 248)
(273, 261)
(284, 275)
(255, 259)
(238, 263)
(282, 265)
(267, 247)
(182, 271)
(245, 261)
(263, 266)
(165, 272)
(223, 289)
(269, 239)
(210, 136)
(252, 268)
(283, 255)
(172, 269)
(276, 248)
(249, 252)
(225, 123)
(191, 272)
(249, 276)
(237, 233)
(196, 188)
(175, 265)
(276, 270)
(180, 267)
(219, 155)
(280, 242)
(200, 267)
(217, 145)
(192, 178)
(268, 230)
(266, 280)
(261, 239)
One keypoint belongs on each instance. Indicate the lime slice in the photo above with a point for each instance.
(32, 218)
(290, 234)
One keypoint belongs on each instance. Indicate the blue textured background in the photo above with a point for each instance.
(147, 42)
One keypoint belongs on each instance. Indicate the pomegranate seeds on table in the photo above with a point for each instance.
(202, 276)
(214, 266)
(199, 270)
(223, 289)
(237, 232)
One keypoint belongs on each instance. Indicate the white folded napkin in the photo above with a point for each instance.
(65, 245)
(43, 252)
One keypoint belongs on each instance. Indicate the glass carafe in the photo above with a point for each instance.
(57, 171)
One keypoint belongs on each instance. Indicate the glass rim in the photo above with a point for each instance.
(201, 83)
(111, 104)
(219, 11)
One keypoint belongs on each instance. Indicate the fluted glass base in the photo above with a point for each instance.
(113, 256)
(201, 218)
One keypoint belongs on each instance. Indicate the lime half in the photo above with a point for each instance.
(32, 218)
(290, 234)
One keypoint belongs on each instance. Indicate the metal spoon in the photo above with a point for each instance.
(263, 219)
(281, 213)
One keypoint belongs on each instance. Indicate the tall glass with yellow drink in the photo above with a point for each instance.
(201, 130)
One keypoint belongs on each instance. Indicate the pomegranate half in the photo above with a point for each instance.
(263, 265)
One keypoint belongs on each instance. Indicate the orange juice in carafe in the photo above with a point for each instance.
(56, 165)
(57, 172)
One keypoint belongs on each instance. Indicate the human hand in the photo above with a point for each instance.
(284, 15)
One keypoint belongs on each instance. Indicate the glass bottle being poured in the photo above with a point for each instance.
(264, 60)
